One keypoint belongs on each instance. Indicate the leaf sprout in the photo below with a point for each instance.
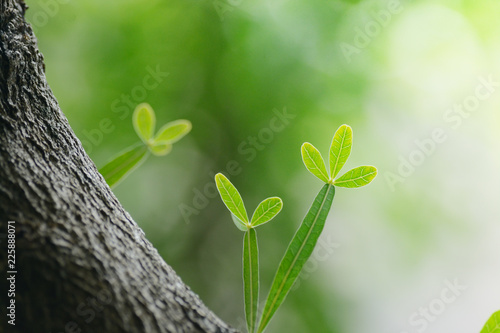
(303, 242)
(144, 122)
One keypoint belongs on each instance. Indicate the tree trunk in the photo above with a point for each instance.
(82, 263)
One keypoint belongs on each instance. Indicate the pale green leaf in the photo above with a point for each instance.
(297, 253)
(231, 197)
(314, 161)
(340, 149)
(251, 277)
(493, 324)
(160, 148)
(266, 211)
(239, 223)
(123, 164)
(144, 120)
(357, 177)
(173, 131)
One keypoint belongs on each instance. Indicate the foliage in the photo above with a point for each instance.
(264, 213)
(144, 121)
(302, 244)
(493, 324)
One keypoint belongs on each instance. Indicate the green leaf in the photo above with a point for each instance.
(314, 162)
(123, 164)
(297, 253)
(231, 197)
(251, 277)
(160, 148)
(340, 149)
(266, 211)
(239, 223)
(173, 131)
(144, 121)
(493, 324)
(357, 177)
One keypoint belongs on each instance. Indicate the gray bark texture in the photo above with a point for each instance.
(83, 264)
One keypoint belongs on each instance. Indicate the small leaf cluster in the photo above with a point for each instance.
(340, 150)
(302, 244)
(264, 212)
(144, 122)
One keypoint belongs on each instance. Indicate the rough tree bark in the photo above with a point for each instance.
(83, 264)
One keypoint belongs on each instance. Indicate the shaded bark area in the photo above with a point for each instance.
(83, 264)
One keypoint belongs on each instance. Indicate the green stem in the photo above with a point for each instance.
(251, 277)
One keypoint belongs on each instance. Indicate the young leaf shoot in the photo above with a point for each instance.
(144, 122)
(306, 237)
(264, 212)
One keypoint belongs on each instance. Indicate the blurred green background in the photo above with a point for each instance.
(397, 72)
